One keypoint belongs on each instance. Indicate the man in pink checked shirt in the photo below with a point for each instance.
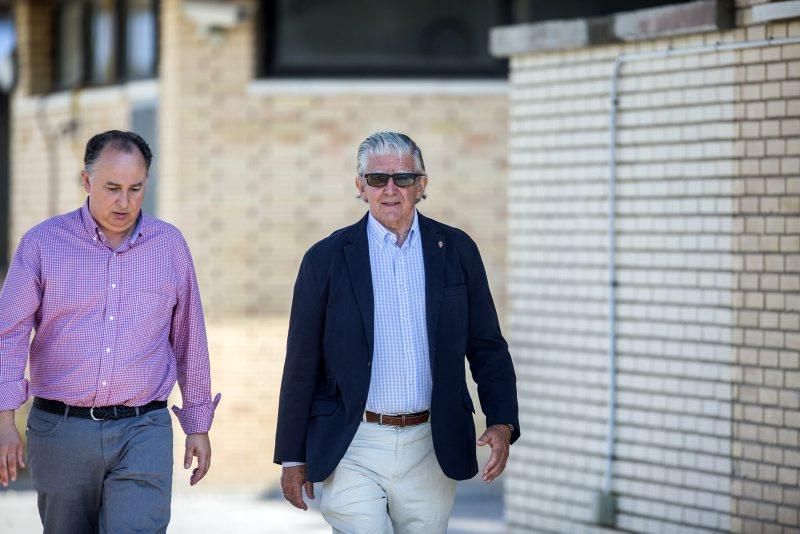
(112, 296)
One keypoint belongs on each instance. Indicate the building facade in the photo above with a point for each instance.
(706, 227)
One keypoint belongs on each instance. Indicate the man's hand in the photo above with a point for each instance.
(499, 439)
(10, 448)
(197, 445)
(293, 479)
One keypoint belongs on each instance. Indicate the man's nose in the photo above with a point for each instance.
(123, 200)
(390, 186)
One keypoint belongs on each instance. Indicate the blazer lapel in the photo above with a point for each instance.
(433, 247)
(358, 267)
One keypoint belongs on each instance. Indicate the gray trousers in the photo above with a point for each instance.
(110, 476)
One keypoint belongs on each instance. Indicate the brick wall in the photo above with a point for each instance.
(766, 294)
(707, 227)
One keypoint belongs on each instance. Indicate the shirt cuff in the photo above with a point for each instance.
(13, 394)
(197, 419)
(292, 464)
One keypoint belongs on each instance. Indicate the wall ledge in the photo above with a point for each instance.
(135, 92)
(334, 87)
(678, 19)
(776, 11)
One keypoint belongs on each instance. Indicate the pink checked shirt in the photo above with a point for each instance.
(111, 326)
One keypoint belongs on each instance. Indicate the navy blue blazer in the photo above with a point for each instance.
(327, 372)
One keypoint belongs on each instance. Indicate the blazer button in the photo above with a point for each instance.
(369, 364)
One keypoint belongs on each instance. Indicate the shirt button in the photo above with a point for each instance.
(108, 349)
(113, 286)
(105, 383)
(110, 317)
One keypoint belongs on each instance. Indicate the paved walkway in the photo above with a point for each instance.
(478, 510)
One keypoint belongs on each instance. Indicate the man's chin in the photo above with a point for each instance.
(120, 228)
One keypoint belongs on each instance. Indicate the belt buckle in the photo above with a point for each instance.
(91, 414)
(403, 420)
(380, 419)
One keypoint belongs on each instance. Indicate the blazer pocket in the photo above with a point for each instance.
(467, 400)
(330, 386)
(452, 291)
(323, 407)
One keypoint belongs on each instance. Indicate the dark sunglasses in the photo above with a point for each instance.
(401, 179)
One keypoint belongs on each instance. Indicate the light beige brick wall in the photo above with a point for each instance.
(253, 179)
(707, 223)
(766, 296)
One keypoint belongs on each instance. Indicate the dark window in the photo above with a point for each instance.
(103, 42)
(100, 42)
(70, 46)
(395, 38)
(380, 38)
(141, 39)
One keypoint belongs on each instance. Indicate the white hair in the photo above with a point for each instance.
(389, 143)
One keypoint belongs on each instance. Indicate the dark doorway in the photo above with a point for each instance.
(5, 171)
(7, 72)
(144, 121)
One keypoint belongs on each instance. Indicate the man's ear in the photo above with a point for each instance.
(361, 188)
(86, 181)
(422, 185)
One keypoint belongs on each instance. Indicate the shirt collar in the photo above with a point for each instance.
(94, 231)
(88, 220)
(382, 236)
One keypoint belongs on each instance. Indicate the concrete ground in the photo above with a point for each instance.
(478, 509)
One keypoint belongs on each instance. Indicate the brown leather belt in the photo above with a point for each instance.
(401, 420)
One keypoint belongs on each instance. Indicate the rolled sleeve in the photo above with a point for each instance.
(13, 394)
(197, 419)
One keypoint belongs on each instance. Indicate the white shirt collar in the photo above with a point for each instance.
(382, 235)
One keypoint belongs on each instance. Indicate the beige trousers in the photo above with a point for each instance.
(388, 481)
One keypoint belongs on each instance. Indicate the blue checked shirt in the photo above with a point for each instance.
(401, 371)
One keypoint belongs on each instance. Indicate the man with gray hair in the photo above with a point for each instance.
(112, 296)
(374, 401)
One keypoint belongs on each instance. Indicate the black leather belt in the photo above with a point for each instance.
(98, 413)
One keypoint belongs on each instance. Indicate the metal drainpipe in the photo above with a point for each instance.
(50, 137)
(604, 505)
